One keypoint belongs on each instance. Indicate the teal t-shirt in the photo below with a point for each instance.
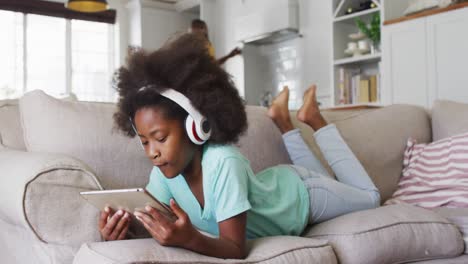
(276, 199)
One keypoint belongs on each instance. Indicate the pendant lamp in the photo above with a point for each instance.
(88, 6)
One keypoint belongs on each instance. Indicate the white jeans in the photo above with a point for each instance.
(352, 191)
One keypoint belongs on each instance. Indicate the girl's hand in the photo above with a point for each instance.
(179, 233)
(113, 226)
(235, 52)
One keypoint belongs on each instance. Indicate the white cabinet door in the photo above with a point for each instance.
(448, 55)
(405, 63)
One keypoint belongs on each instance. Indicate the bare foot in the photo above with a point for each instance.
(279, 111)
(309, 113)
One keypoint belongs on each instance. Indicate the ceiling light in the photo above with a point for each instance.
(89, 6)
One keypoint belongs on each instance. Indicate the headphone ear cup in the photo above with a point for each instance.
(190, 128)
(205, 129)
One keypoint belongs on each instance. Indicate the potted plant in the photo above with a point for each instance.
(371, 30)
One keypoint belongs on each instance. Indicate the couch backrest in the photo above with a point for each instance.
(11, 132)
(449, 119)
(84, 130)
(262, 144)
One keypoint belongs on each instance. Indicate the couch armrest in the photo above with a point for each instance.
(271, 250)
(40, 192)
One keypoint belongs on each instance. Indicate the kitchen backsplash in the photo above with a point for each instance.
(284, 67)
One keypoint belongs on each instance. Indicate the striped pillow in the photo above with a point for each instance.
(435, 174)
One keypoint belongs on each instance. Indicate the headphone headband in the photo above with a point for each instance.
(181, 100)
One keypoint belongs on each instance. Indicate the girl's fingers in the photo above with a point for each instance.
(153, 232)
(103, 217)
(102, 220)
(124, 231)
(177, 210)
(158, 217)
(153, 225)
(148, 219)
(119, 227)
(110, 225)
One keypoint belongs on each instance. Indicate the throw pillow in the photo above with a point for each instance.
(435, 174)
(11, 133)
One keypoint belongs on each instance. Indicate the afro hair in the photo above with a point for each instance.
(182, 64)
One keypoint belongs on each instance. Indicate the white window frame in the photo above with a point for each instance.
(25, 53)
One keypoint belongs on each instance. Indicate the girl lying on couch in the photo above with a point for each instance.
(187, 113)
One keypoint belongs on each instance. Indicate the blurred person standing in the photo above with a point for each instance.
(199, 27)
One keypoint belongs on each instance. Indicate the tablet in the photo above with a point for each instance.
(129, 200)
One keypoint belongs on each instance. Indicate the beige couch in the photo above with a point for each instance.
(51, 150)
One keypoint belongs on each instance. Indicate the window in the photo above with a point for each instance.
(57, 55)
(45, 54)
(92, 60)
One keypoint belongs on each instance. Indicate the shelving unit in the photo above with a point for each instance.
(368, 58)
(366, 64)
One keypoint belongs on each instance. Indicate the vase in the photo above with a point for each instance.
(375, 47)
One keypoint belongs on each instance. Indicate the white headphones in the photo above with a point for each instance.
(196, 125)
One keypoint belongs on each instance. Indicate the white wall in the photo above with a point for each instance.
(121, 29)
(219, 16)
(314, 48)
(159, 24)
(394, 8)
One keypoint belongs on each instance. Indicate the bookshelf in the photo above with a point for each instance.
(350, 72)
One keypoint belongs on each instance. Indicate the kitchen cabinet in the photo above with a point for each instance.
(425, 59)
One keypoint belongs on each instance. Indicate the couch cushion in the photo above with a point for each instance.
(11, 133)
(378, 139)
(390, 234)
(264, 250)
(449, 119)
(84, 131)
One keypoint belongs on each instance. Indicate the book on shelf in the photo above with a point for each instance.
(364, 91)
(356, 87)
(373, 96)
(341, 87)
